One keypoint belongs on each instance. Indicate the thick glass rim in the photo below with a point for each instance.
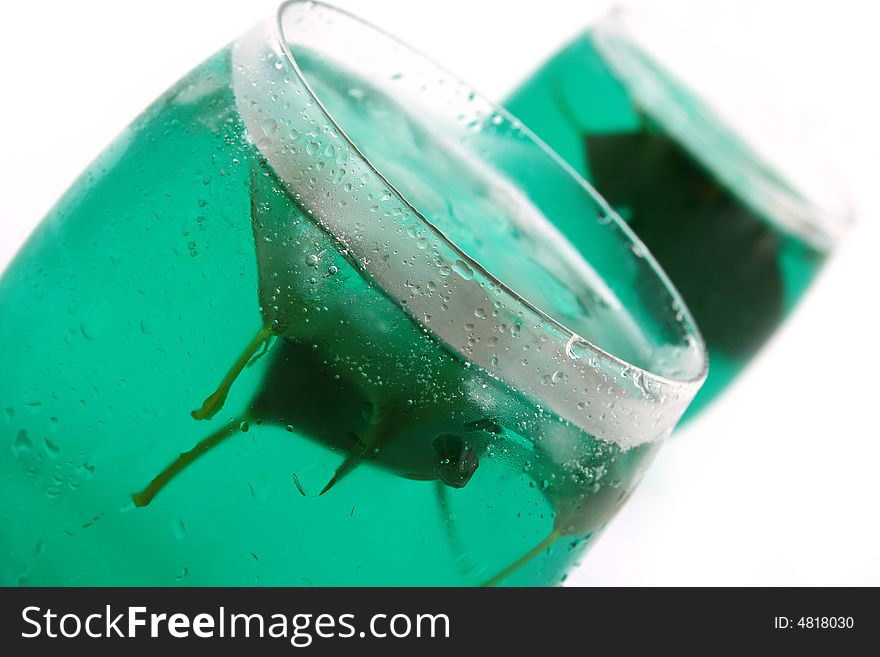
(633, 41)
(661, 389)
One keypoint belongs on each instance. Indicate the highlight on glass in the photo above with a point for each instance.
(308, 321)
(739, 210)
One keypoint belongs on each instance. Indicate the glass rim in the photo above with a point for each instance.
(658, 88)
(682, 388)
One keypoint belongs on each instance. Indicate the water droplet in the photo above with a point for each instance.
(557, 377)
(577, 347)
(463, 269)
(178, 528)
(22, 443)
(51, 448)
(244, 426)
(183, 573)
(639, 382)
(298, 485)
(479, 312)
(269, 126)
(332, 270)
(152, 323)
(96, 321)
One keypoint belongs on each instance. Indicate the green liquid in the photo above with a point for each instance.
(132, 301)
(738, 273)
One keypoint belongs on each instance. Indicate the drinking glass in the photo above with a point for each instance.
(737, 207)
(409, 375)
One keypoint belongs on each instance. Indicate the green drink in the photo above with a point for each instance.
(738, 234)
(378, 407)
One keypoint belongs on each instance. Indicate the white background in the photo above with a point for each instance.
(777, 484)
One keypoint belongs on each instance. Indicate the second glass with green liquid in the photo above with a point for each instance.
(738, 238)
